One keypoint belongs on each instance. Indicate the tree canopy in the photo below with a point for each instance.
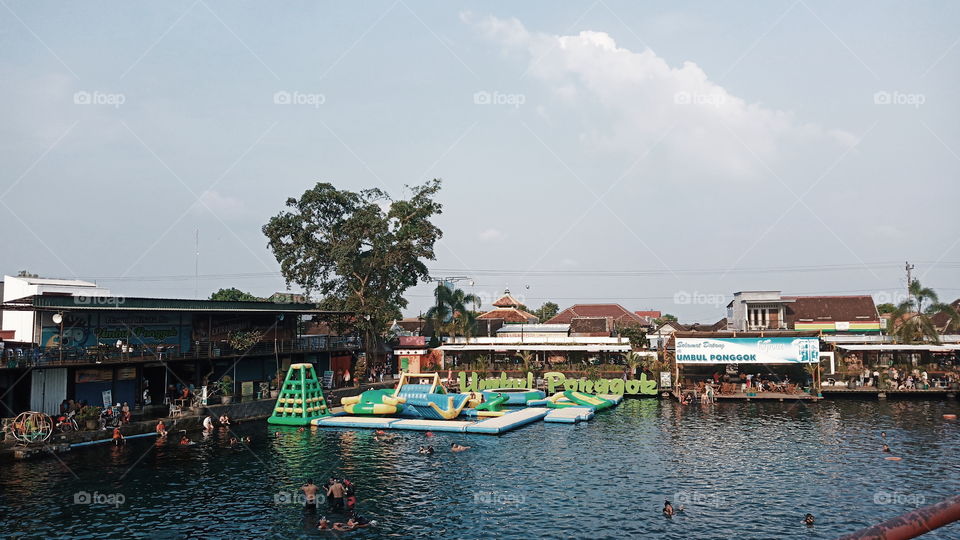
(452, 313)
(912, 321)
(360, 250)
(234, 295)
(547, 311)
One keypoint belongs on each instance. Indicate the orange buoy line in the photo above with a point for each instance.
(949, 417)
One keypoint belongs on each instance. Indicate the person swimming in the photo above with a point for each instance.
(454, 447)
(184, 441)
(323, 524)
(430, 450)
(885, 448)
(808, 520)
(668, 509)
(422, 450)
(246, 439)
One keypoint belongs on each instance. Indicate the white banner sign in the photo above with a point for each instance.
(773, 350)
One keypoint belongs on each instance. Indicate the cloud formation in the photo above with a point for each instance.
(633, 101)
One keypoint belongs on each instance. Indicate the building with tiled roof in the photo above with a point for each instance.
(769, 310)
(507, 309)
(619, 315)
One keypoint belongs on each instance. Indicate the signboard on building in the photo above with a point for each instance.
(765, 350)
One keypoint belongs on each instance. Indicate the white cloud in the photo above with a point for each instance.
(629, 101)
(491, 235)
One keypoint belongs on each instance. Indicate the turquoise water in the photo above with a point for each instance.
(746, 470)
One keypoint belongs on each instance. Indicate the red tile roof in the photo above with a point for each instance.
(510, 315)
(651, 314)
(830, 308)
(507, 300)
(620, 315)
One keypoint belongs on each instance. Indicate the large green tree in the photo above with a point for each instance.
(234, 295)
(912, 321)
(360, 250)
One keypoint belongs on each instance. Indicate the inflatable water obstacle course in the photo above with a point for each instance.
(420, 403)
(300, 400)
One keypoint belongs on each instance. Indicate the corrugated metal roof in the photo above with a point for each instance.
(121, 303)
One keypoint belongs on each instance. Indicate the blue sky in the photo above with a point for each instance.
(704, 147)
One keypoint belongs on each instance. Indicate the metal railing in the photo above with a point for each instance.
(100, 354)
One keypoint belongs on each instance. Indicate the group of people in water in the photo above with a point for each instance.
(341, 499)
(208, 429)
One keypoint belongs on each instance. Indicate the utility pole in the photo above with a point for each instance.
(909, 268)
(196, 266)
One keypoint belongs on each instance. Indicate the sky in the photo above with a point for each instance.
(659, 155)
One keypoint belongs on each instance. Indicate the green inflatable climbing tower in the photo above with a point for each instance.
(301, 398)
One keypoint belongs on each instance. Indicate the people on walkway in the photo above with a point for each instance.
(161, 429)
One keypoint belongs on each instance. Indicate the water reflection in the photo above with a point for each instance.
(746, 470)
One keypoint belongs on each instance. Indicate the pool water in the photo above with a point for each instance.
(745, 470)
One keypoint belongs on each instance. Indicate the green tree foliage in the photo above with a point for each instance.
(636, 335)
(234, 295)
(547, 311)
(666, 317)
(886, 308)
(360, 251)
(911, 322)
(452, 313)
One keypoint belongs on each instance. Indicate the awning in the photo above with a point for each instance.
(906, 348)
(502, 347)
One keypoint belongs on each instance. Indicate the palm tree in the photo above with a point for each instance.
(912, 323)
(634, 360)
(526, 357)
(451, 315)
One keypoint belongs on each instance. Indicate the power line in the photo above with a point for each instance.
(489, 272)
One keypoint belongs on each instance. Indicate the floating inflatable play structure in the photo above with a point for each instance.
(301, 400)
(419, 402)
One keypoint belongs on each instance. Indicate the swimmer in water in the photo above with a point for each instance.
(808, 520)
(421, 450)
(233, 441)
(301, 430)
(184, 441)
(310, 491)
(668, 509)
(885, 448)
(454, 447)
(430, 450)
(247, 439)
(323, 524)
(277, 434)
